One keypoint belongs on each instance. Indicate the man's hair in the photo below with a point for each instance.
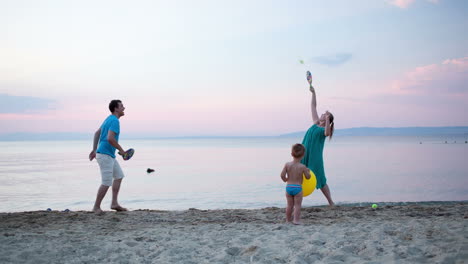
(297, 150)
(113, 105)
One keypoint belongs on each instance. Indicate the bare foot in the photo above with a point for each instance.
(97, 210)
(119, 208)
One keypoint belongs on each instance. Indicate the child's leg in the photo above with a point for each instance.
(297, 209)
(289, 207)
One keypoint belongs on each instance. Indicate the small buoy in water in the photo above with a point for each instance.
(149, 170)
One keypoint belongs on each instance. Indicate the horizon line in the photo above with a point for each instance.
(354, 131)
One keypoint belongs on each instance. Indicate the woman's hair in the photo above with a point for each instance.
(297, 150)
(332, 125)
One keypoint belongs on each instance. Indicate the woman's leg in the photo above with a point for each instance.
(326, 191)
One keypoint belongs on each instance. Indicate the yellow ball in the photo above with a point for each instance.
(308, 185)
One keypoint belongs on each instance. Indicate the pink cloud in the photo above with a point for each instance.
(406, 3)
(401, 3)
(448, 77)
(429, 95)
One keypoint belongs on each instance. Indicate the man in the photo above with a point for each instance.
(108, 136)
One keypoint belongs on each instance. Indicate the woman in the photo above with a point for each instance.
(314, 141)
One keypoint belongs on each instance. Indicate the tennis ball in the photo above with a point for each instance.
(374, 206)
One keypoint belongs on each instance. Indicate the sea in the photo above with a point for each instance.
(232, 172)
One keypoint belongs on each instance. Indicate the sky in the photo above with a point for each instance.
(210, 67)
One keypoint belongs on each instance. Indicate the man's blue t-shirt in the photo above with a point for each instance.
(111, 123)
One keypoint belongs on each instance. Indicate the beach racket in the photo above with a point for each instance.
(128, 154)
(309, 77)
(309, 80)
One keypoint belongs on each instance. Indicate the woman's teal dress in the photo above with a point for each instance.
(313, 141)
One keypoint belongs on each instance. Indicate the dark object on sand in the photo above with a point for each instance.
(149, 170)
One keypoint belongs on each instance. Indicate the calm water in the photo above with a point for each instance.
(231, 172)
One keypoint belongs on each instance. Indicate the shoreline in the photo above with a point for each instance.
(424, 232)
(339, 204)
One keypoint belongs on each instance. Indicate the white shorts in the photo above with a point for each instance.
(110, 169)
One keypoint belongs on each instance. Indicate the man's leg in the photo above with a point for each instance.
(105, 166)
(326, 191)
(118, 176)
(100, 195)
(115, 194)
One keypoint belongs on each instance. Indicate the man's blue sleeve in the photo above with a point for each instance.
(115, 126)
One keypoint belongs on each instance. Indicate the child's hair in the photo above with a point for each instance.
(332, 126)
(297, 150)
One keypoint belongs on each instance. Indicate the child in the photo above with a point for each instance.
(292, 174)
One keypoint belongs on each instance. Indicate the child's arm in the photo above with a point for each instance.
(283, 174)
(313, 105)
(306, 172)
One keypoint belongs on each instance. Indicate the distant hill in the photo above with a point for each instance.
(358, 131)
(45, 136)
(392, 131)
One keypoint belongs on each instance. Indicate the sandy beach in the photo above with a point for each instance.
(413, 233)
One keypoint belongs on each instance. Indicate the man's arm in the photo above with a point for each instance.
(97, 135)
(113, 142)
